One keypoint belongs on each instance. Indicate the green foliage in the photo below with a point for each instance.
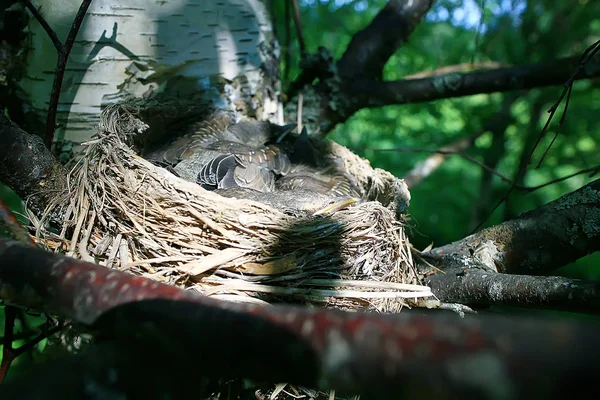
(14, 203)
(456, 32)
(24, 362)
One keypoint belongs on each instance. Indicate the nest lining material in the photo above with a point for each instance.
(123, 212)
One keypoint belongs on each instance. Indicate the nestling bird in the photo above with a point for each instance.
(220, 154)
(255, 155)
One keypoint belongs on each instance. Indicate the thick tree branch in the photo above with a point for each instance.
(409, 354)
(477, 287)
(27, 167)
(355, 94)
(535, 243)
(449, 69)
(368, 93)
(370, 49)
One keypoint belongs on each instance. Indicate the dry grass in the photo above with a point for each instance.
(123, 212)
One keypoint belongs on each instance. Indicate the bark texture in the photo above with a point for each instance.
(476, 287)
(410, 355)
(28, 168)
(223, 50)
(536, 242)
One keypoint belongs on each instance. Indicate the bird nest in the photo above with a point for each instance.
(124, 212)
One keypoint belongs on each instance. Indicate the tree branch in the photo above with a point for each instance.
(298, 23)
(28, 168)
(367, 93)
(49, 31)
(371, 48)
(63, 51)
(373, 354)
(477, 287)
(537, 242)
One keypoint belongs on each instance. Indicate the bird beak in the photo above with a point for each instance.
(336, 206)
(284, 131)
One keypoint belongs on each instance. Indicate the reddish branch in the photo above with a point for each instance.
(410, 354)
(535, 243)
(63, 50)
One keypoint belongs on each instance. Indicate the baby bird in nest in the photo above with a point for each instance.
(256, 155)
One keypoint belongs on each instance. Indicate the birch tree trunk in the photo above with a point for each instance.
(225, 51)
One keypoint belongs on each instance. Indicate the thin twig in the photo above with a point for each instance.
(21, 335)
(527, 189)
(49, 31)
(298, 24)
(433, 162)
(300, 104)
(8, 355)
(287, 40)
(478, 31)
(588, 54)
(592, 170)
(447, 152)
(44, 335)
(63, 51)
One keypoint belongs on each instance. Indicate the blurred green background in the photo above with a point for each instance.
(452, 201)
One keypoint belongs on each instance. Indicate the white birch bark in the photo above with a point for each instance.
(143, 47)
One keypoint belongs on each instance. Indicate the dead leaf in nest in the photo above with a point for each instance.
(274, 267)
(211, 261)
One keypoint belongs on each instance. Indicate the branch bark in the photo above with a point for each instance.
(411, 354)
(371, 48)
(28, 167)
(537, 242)
(367, 93)
(364, 59)
(476, 287)
(359, 93)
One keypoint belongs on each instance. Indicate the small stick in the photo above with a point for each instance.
(63, 50)
(298, 24)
